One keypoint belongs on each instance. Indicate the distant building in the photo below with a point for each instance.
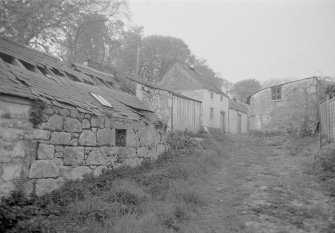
(238, 117)
(193, 83)
(289, 107)
(178, 111)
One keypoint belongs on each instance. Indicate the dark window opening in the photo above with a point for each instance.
(42, 70)
(7, 58)
(120, 137)
(212, 95)
(276, 93)
(221, 98)
(28, 66)
(72, 77)
(110, 84)
(88, 83)
(57, 72)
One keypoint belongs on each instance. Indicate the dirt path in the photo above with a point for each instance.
(265, 185)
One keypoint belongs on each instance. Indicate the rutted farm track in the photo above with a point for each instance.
(265, 184)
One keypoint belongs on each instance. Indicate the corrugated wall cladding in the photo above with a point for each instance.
(186, 114)
(327, 115)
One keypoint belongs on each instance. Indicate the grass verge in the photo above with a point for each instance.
(325, 167)
(157, 196)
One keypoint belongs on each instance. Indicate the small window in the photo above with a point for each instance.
(101, 100)
(88, 83)
(211, 116)
(72, 77)
(221, 98)
(276, 93)
(28, 66)
(120, 137)
(212, 95)
(57, 72)
(7, 58)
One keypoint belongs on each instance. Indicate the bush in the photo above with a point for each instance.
(325, 164)
(266, 133)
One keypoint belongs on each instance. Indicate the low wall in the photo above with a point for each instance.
(67, 145)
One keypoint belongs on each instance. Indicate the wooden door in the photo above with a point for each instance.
(239, 123)
(222, 121)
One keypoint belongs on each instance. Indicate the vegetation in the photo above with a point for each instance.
(158, 196)
(36, 113)
(243, 89)
(325, 167)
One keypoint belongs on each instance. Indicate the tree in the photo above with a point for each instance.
(125, 53)
(56, 23)
(159, 53)
(243, 89)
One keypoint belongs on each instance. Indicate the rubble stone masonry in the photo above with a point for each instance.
(66, 145)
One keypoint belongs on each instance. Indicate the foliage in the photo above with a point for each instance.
(159, 53)
(326, 86)
(325, 166)
(157, 196)
(265, 133)
(36, 113)
(243, 89)
(308, 128)
(180, 140)
(64, 26)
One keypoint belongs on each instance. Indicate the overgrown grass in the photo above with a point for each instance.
(325, 167)
(157, 196)
(266, 133)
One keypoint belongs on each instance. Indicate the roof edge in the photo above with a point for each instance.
(294, 81)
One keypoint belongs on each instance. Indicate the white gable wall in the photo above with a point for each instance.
(207, 103)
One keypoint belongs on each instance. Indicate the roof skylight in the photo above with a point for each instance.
(101, 100)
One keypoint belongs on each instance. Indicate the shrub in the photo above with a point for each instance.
(325, 164)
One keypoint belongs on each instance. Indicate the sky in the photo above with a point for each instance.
(259, 39)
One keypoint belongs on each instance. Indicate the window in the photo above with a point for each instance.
(221, 98)
(212, 95)
(276, 93)
(211, 116)
(120, 137)
(101, 100)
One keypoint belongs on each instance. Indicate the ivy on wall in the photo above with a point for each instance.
(36, 113)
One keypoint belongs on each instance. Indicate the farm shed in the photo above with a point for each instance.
(238, 117)
(178, 111)
(57, 123)
(290, 107)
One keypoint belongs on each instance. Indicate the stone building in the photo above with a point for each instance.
(58, 124)
(238, 117)
(290, 107)
(178, 111)
(196, 85)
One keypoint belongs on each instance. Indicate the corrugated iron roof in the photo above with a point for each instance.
(19, 81)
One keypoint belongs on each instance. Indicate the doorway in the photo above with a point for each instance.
(239, 123)
(222, 121)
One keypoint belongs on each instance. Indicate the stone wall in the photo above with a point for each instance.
(299, 102)
(67, 145)
(159, 101)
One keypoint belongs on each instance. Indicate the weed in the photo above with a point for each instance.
(325, 166)
(119, 200)
(36, 113)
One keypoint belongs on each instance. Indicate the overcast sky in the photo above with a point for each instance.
(248, 39)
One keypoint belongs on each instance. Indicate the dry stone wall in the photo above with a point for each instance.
(67, 145)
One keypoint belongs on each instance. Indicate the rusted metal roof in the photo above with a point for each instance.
(56, 89)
